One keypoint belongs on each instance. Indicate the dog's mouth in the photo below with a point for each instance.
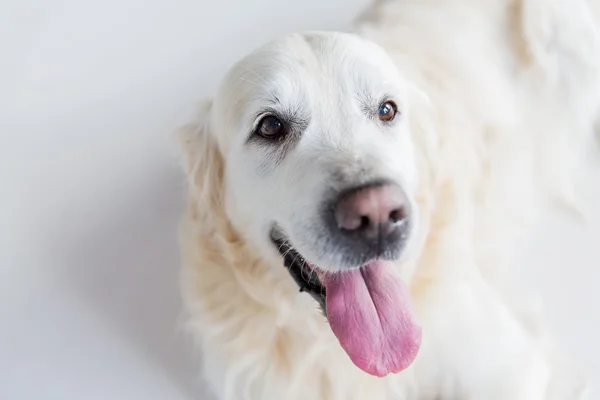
(304, 273)
(369, 309)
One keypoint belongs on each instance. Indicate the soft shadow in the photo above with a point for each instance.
(127, 268)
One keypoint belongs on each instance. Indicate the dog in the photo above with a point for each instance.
(355, 200)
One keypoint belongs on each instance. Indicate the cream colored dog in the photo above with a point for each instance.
(355, 199)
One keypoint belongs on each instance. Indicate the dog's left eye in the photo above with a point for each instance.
(270, 127)
(387, 111)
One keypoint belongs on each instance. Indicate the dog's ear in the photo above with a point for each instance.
(203, 164)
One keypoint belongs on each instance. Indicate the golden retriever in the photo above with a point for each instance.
(355, 200)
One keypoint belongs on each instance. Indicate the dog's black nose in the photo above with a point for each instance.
(372, 212)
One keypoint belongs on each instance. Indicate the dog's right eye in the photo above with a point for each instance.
(270, 127)
(387, 111)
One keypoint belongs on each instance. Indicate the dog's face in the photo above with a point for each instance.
(319, 165)
(306, 122)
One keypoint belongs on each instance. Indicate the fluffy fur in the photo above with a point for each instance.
(498, 98)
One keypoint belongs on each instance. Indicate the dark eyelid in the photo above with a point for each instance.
(387, 98)
(267, 112)
(292, 120)
(370, 104)
(263, 114)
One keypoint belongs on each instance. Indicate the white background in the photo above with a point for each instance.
(91, 191)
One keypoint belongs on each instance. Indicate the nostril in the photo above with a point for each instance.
(397, 215)
(364, 222)
(357, 223)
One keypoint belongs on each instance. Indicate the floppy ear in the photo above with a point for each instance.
(203, 165)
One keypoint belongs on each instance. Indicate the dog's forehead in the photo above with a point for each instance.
(292, 62)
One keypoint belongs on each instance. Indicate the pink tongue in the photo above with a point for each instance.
(370, 312)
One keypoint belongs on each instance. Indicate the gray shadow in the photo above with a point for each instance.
(127, 268)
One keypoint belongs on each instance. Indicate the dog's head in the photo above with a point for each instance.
(307, 150)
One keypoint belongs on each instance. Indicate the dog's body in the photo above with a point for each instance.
(497, 99)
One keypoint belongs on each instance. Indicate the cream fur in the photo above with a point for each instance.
(501, 98)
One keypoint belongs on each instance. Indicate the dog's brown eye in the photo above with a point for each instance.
(270, 128)
(387, 111)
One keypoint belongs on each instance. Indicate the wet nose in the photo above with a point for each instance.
(372, 211)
